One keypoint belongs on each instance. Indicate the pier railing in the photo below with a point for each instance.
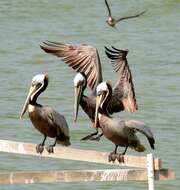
(144, 168)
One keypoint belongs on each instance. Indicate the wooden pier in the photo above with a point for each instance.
(144, 168)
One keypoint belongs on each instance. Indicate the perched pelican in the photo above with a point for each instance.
(122, 132)
(46, 120)
(112, 21)
(85, 60)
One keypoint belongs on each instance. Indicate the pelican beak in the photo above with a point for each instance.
(99, 100)
(25, 106)
(77, 96)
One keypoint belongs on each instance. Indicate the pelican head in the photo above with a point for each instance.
(38, 85)
(111, 21)
(104, 93)
(79, 86)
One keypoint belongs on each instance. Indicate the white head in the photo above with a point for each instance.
(102, 94)
(79, 79)
(38, 85)
(79, 86)
(38, 78)
(102, 87)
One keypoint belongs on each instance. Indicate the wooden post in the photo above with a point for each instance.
(150, 170)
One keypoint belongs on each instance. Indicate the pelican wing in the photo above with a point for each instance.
(108, 8)
(123, 97)
(128, 17)
(82, 58)
(57, 120)
(140, 126)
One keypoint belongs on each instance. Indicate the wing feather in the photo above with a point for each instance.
(82, 58)
(108, 8)
(140, 126)
(133, 16)
(123, 97)
(57, 120)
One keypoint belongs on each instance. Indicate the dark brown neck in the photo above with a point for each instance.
(34, 99)
(104, 110)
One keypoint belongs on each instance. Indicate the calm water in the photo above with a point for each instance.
(153, 41)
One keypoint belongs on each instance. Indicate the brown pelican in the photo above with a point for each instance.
(45, 119)
(85, 59)
(122, 132)
(112, 21)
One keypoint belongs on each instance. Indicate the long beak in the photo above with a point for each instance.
(25, 106)
(99, 100)
(77, 96)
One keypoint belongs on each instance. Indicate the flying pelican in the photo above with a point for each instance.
(122, 132)
(112, 21)
(45, 119)
(85, 60)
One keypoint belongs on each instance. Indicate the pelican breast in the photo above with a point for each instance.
(48, 121)
(114, 130)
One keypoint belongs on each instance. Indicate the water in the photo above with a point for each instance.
(153, 41)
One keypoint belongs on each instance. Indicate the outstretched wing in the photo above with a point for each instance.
(140, 126)
(123, 97)
(128, 17)
(109, 10)
(82, 58)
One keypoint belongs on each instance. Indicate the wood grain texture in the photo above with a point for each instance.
(76, 154)
(30, 177)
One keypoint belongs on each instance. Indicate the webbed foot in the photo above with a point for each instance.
(112, 157)
(50, 149)
(86, 138)
(40, 148)
(89, 137)
(97, 138)
(120, 158)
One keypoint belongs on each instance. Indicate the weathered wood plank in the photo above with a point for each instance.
(30, 177)
(76, 154)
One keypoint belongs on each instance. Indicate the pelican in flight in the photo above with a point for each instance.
(45, 119)
(85, 60)
(112, 21)
(122, 132)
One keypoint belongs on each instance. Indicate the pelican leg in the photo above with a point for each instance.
(88, 137)
(40, 147)
(113, 155)
(120, 157)
(50, 148)
(97, 138)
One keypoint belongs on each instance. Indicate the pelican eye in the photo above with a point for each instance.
(37, 84)
(102, 92)
(81, 83)
(33, 83)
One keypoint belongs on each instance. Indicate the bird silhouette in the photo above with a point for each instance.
(111, 21)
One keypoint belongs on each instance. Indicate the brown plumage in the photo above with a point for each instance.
(45, 119)
(85, 59)
(122, 132)
(112, 21)
(82, 58)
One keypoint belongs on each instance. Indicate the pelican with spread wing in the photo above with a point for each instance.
(86, 61)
